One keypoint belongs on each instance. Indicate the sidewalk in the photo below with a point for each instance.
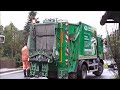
(4, 70)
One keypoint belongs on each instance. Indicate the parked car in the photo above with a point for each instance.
(112, 64)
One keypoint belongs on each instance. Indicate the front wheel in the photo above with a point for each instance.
(100, 70)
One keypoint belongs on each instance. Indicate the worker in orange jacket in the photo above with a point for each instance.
(25, 62)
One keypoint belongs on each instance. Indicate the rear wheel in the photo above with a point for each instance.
(52, 72)
(52, 75)
(82, 73)
(72, 76)
(100, 70)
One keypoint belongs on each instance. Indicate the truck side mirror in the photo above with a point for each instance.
(105, 42)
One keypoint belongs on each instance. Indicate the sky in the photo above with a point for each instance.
(92, 18)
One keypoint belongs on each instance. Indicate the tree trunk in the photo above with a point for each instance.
(118, 66)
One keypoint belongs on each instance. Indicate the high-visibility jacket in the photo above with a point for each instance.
(25, 53)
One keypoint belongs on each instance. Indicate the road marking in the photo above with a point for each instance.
(39, 78)
(11, 72)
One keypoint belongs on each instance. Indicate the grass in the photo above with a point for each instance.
(105, 66)
(117, 78)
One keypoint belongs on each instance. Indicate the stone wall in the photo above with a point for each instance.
(7, 63)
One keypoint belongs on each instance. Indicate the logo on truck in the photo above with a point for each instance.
(87, 28)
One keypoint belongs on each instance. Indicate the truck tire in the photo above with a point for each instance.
(72, 76)
(52, 72)
(115, 67)
(82, 73)
(52, 75)
(100, 70)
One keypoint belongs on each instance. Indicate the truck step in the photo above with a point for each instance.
(93, 64)
(92, 70)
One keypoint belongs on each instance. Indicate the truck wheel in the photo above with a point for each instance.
(100, 70)
(115, 67)
(82, 73)
(52, 75)
(72, 76)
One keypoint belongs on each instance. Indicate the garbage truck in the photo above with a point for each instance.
(62, 50)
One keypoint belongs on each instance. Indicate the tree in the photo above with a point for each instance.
(1, 45)
(114, 44)
(8, 41)
(114, 38)
(31, 16)
(1, 29)
(13, 41)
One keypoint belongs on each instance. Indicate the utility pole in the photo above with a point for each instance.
(119, 32)
(0, 17)
(12, 40)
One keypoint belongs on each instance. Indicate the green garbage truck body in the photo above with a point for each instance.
(64, 50)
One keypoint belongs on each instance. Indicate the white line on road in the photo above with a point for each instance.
(11, 72)
(39, 78)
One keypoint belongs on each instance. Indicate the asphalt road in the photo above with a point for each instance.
(15, 75)
(107, 74)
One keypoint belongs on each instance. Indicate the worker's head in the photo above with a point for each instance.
(25, 44)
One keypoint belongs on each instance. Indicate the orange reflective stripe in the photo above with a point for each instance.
(24, 57)
(25, 53)
(26, 64)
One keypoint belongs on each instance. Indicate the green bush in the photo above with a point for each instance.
(105, 66)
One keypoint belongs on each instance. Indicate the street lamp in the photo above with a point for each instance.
(2, 39)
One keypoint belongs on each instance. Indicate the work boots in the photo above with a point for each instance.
(25, 73)
(28, 72)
